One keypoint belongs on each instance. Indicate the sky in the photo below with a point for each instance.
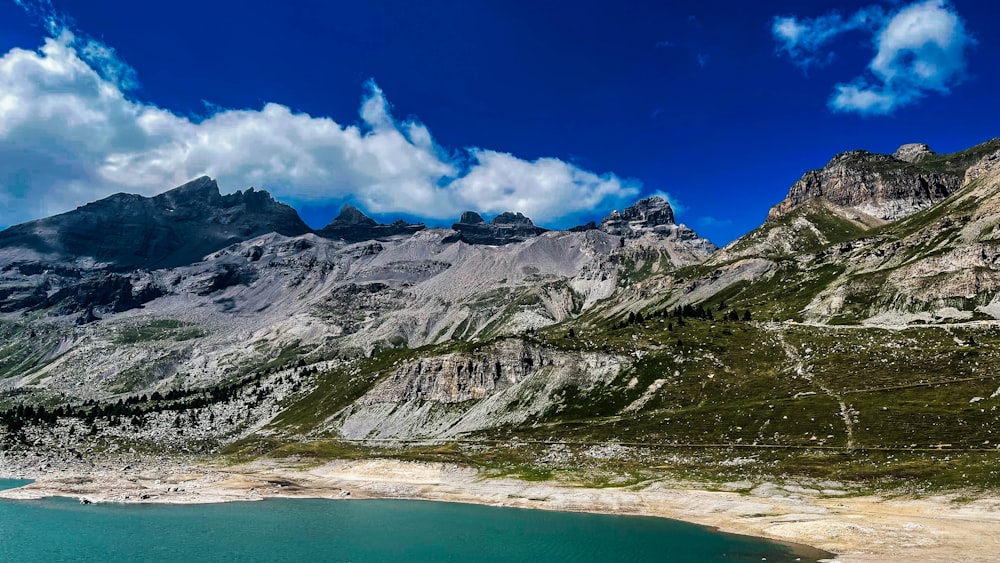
(420, 110)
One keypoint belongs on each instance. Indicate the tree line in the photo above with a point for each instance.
(134, 408)
(688, 311)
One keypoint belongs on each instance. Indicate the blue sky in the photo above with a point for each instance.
(561, 110)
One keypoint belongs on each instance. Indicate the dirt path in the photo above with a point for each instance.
(804, 371)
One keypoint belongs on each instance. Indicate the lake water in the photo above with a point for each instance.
(362, 531)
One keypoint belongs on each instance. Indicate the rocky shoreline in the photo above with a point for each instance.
(857, 528)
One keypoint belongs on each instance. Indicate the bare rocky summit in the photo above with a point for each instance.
(881, 186)
(652, 214)
(505, 228)
(912, 152)
(125, 232)
(354, 226)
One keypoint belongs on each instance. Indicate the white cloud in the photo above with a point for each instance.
(924, 41)
(864, 99)
(547, 187)
(919, 48)
(70, 135)
(801, 39)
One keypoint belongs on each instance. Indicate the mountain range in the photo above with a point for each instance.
(876, 274)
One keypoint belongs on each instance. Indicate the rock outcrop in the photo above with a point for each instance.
(912, 152)
(457, 378)
(505, 383)
(354, 226)
(647, 229)
(882, 186)
(988, 164)
(506, 228)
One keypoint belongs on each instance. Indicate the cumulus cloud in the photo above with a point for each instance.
(70, 134)
(499, 181)
(919, 48)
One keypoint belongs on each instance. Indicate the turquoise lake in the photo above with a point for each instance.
(360, 531)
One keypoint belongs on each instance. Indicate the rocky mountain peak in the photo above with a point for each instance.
(201, 188)
(352, 225)
(199, 184)
(652, 211)
(887, 187)
(511, 218)
(646, 215)
(912, 152)
(505, 228)
(471, 218)
(175, 228)
(350, 215)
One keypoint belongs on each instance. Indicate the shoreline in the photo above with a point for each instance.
(856, 528)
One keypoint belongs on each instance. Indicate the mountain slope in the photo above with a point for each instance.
(829, 344)
(824, 258)
(939, 263)
(255, 300)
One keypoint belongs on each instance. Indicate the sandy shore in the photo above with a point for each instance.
(858, 529)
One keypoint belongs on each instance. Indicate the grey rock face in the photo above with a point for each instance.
(510, 218)
(879, 185)
(987, 165)
(912, 152)
(459, 378)
(74, 293)
(506, 228)
(471, 218)
(508, 382)
(350, 215)
(254, 298)
(354, 226)
(179, 227)
(646, 230)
